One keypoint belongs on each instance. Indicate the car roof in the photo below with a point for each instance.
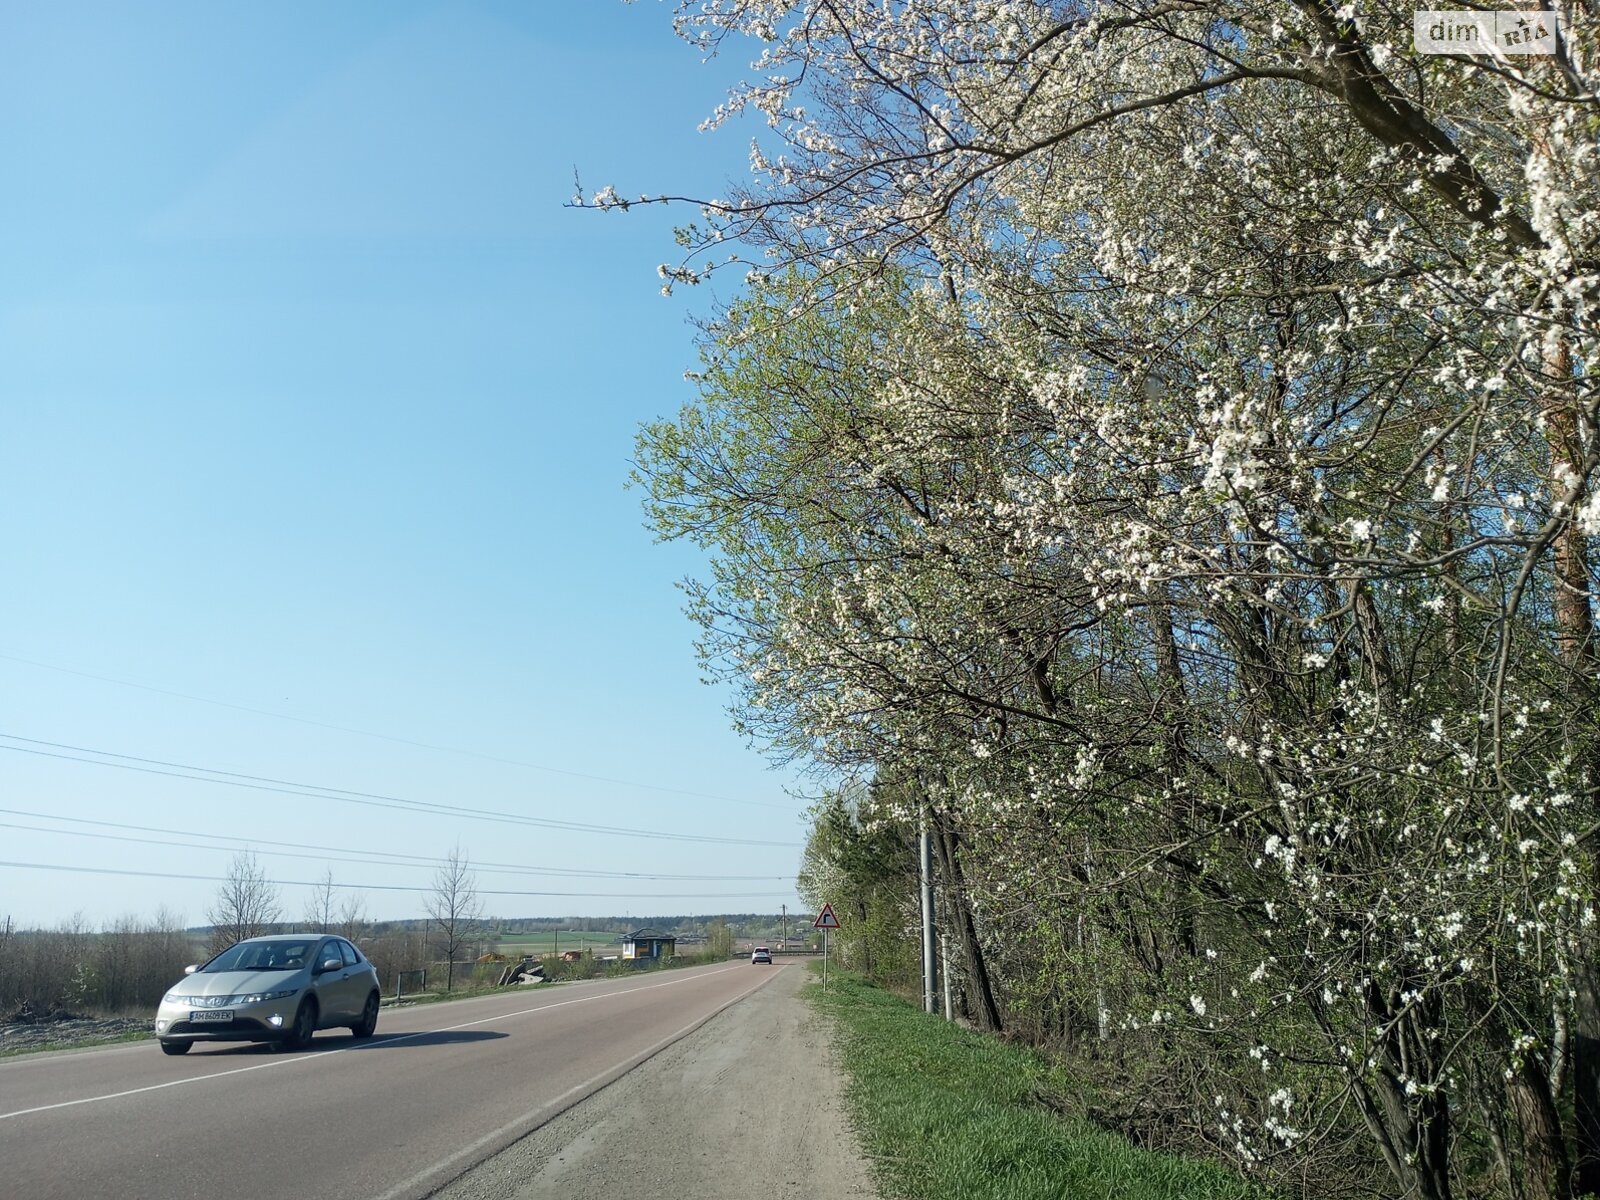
(284, 937)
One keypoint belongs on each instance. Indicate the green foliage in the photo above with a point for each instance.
(1158, 480)
(857, 859)
(948, 1114)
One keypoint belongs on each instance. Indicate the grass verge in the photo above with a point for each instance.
(948, 1114)
(86, 1043)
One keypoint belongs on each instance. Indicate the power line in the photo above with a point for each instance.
(262, 783)
(382, 858)
(388, 737)
(390, 887)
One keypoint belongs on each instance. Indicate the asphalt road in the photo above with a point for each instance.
(440, 1088)
(750, 1105)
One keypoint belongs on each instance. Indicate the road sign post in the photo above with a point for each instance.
(825, 921)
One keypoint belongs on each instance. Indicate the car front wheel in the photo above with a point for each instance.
(368, 1024)
(175, 1047)
(305, 1024)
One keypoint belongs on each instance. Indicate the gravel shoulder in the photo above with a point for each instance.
(748, 1104)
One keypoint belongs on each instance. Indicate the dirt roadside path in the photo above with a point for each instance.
(750, 1104)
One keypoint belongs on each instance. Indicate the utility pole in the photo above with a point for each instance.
(785, 943)
(930, 1002)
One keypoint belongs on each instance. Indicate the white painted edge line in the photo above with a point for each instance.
(326, 1054)
(427, 1182)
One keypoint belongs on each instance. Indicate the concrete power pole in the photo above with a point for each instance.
(930, 964)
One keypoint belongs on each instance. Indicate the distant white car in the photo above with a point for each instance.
(761, 955)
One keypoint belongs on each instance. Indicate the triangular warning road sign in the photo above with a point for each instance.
(826, 919)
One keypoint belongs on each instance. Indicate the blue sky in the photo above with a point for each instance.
(318, 402)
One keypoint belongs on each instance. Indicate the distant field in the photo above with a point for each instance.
(516, 945)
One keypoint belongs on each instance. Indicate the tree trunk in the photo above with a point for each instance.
(1545, 1169)
(1575, 643)
(1585, 1073)
(981, 1001)
(1414, 1130)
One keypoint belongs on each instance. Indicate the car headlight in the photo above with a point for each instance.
(174, 998)
(264, 997)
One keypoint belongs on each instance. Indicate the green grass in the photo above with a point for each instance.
(110, 1039)
(948, 1114)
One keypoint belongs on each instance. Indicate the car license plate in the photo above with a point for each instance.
(196, 1016)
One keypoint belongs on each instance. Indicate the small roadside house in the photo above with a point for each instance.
(648, 943)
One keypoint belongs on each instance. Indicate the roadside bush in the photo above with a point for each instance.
(395, 952)
(122, 969)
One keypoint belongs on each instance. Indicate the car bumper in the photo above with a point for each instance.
(263, 1022)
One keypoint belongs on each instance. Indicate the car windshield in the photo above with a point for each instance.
(286, 955)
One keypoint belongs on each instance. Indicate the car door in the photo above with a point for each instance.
(365, 975)
(333, 987)
(357, 980)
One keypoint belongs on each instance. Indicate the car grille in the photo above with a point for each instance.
(208, 1001)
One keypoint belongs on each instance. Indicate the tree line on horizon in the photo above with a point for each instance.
(126, 966)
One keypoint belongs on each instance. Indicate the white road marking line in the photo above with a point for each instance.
(326, 1054)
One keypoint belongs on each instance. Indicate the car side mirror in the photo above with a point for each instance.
(329, 964)
(191, 968)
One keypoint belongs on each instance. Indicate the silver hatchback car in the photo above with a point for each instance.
(281, 988)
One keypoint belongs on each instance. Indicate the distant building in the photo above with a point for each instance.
(648, 943)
